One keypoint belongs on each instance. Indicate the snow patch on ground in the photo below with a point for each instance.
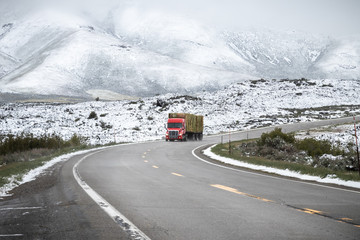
(240, 106)
(16, 180)
(286, 172)
(341, 135)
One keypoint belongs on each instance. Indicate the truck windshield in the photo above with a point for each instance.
(174, 125)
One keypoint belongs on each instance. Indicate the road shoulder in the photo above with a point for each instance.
(199, 153)
(55, 207)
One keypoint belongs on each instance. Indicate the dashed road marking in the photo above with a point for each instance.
(305, 210)
(233, 190)
(266, 175)
(155, 166)
(12, 235)
(20, 208)
(177, 174)
(311, 211)
(281, 178)
(146, 161)
(324, 214)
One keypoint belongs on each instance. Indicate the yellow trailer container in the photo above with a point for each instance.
(194, 124)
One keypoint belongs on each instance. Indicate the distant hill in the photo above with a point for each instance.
(49, 51)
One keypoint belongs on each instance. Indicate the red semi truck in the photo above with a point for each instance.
(184, 126)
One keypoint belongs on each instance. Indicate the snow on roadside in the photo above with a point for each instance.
(341, 135)
(240, 106)
(31, 175)
(281, 172)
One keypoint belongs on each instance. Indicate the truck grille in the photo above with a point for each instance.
(173, 134)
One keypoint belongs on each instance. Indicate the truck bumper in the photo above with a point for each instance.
(177, 138)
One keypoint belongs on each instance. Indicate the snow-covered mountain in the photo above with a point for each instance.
(239, 106)
(50, 51)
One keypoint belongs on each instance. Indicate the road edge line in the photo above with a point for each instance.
(112, 212)
(264, 174)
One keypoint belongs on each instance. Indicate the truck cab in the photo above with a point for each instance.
(176, 129)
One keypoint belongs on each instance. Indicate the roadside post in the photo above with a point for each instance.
(357, 146)
(229, 142)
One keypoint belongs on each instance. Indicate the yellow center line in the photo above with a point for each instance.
(312, 211)
(155, 166)
(305, 210)
(233, 190)
(177, 174)
(321, 213)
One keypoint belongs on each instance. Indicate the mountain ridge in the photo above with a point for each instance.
(51, 52)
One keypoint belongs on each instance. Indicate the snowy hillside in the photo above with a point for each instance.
(240, 106)
(280, 54)
(50, 51)
(344, 58)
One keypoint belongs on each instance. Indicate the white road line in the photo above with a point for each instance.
(11, 235)
(268, 176)
(20, 208)
(113, 213)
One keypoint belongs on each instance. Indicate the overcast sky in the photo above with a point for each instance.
(335, 17)
(331, 17)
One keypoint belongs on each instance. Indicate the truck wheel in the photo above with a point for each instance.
(201, 137)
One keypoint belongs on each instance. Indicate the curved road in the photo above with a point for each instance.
(168, 193)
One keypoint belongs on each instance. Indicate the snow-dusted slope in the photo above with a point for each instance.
(44, 55)
(343, 59)
(180, 38)
(280, 54)
(28, 44)
(127, 51)
(240, 106)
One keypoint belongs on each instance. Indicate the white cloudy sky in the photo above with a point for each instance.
(320, 16)
(334, 17)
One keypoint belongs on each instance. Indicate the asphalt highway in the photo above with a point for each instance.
(161, 190)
